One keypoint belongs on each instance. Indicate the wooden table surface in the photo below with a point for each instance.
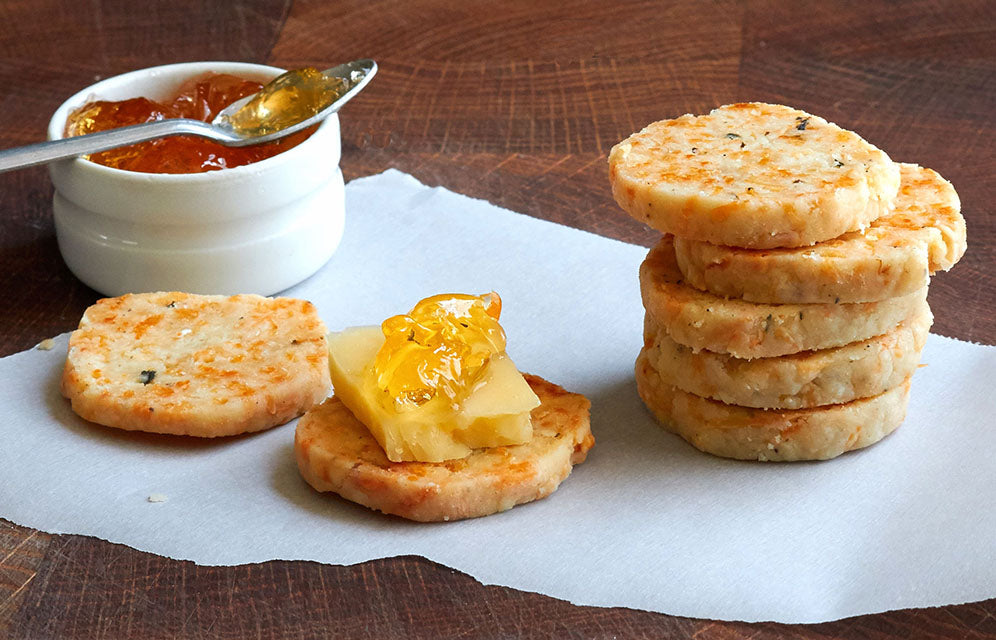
(516, 102)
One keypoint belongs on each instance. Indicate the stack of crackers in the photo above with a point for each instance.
(786, 304)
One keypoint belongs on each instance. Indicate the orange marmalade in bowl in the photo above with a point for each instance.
(200, 98)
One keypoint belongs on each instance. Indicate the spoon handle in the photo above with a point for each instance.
(43, 152)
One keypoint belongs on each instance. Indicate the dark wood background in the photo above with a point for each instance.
(516, 102)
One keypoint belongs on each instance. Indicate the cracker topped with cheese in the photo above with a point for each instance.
(199, 365)
(752, 175)
(431, 419)
(338, 453)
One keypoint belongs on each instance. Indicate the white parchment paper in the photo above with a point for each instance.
(647, 522)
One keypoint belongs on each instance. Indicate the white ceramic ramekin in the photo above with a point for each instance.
(258, 228)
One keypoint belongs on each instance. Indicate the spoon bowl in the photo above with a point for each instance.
(355, 75)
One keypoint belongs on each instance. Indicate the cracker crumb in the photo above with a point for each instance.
(46, 345)
(157, 497)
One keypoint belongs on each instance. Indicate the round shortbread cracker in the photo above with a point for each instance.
(196, 365)
(336, 453)
(752, 175)
(925, 233)
(771, 435)
(744, 329)
(797, 381)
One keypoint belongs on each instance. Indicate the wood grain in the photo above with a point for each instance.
(518, 103)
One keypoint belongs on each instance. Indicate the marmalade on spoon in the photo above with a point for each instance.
(439, 348)
(292, 97)
(200, 98)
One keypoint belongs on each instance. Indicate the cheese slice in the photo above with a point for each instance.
(494, 413)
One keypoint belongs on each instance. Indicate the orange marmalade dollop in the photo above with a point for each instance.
(440, 347)
(199, 98)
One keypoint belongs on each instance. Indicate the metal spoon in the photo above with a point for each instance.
(355, 74)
